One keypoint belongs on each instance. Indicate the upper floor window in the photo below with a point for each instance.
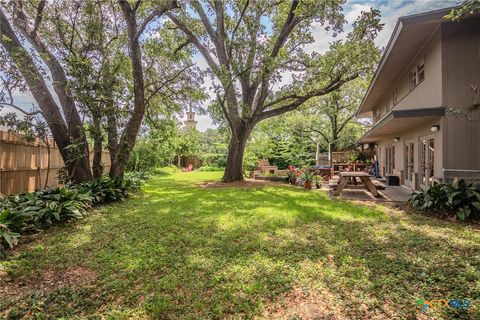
(417, 75)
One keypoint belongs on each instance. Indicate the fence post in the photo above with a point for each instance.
(39, 164)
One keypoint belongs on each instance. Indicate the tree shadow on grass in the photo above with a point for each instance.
(186, 252)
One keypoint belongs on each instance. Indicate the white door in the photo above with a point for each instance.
(427, 161)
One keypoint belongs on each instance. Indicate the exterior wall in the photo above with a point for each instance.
(415, 136)
(428, 93)
(461, 65)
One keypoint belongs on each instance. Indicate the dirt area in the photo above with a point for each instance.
(300, 304)
(47, 282)
(247, 183)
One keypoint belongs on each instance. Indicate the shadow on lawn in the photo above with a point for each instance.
(185, 252)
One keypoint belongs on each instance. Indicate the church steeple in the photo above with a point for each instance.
(190, 123)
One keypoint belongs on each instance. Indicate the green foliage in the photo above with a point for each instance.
(10, 223)
(213, 147)
(167, 170)
(459, 199)
(45, 207)
(41, 209)
(211, 168)
(306, 176)
(466, 8)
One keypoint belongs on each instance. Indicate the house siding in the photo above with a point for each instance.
(414, 136)
(461, 65)
(428, 93)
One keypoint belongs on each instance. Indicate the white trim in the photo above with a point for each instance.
(460, 170)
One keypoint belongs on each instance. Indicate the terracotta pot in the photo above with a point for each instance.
(307, 184)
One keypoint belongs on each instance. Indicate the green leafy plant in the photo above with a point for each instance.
(459, 199)
(318, 181)
(306, 176)
(40, 209)
(9, 224)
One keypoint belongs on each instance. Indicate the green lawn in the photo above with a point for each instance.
(186, 252)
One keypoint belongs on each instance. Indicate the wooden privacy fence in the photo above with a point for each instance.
(24, 164)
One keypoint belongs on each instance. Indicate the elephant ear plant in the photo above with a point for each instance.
(30, 212)
(459, 199)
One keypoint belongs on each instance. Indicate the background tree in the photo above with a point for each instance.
(465, 9)
(248, 45)
(330, 120)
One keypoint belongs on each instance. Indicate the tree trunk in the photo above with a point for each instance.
(80, 162)
(97, 149)
(129, 135)
(78, 171)
(236, 150)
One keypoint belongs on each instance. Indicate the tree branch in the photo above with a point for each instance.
(168, 5)
(204, 51)
(39, 16)
(34, 113)
(298, 101)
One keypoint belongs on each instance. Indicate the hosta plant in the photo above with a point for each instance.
(460, 199)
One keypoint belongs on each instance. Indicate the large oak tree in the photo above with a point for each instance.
(252, 46)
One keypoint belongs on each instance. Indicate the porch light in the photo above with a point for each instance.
(435, 127)
(396, 139)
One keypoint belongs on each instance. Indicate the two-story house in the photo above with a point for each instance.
(421, 130)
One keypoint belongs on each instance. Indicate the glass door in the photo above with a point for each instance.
(390, 159)
(427, 161)
(408, 161)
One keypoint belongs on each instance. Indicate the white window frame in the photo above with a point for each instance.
(416, 75)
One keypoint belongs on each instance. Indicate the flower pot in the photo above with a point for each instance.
(307, 184)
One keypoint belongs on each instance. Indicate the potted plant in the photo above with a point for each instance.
(307, 178)
(291, 176)
(318, 181)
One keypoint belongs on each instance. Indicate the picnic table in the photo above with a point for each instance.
(364, 177)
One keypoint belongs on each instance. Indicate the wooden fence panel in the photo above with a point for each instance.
(24, 164)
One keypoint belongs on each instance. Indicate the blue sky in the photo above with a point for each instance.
(390, 10)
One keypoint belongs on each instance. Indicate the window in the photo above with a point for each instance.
(420, 72)
(412, 80)
(394, 97)
(417, 75)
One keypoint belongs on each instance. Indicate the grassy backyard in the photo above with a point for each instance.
(186, 252)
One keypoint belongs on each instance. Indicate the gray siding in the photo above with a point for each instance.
(461, 69)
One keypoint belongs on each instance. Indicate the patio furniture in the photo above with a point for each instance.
(264, 167)
(364, 177)
(325, 172)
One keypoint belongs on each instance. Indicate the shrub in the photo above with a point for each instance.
(459, 199)
(10, 225)
(44, 207)
(211, 168)
(106, 189)
(163, 171)
(36, 210)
